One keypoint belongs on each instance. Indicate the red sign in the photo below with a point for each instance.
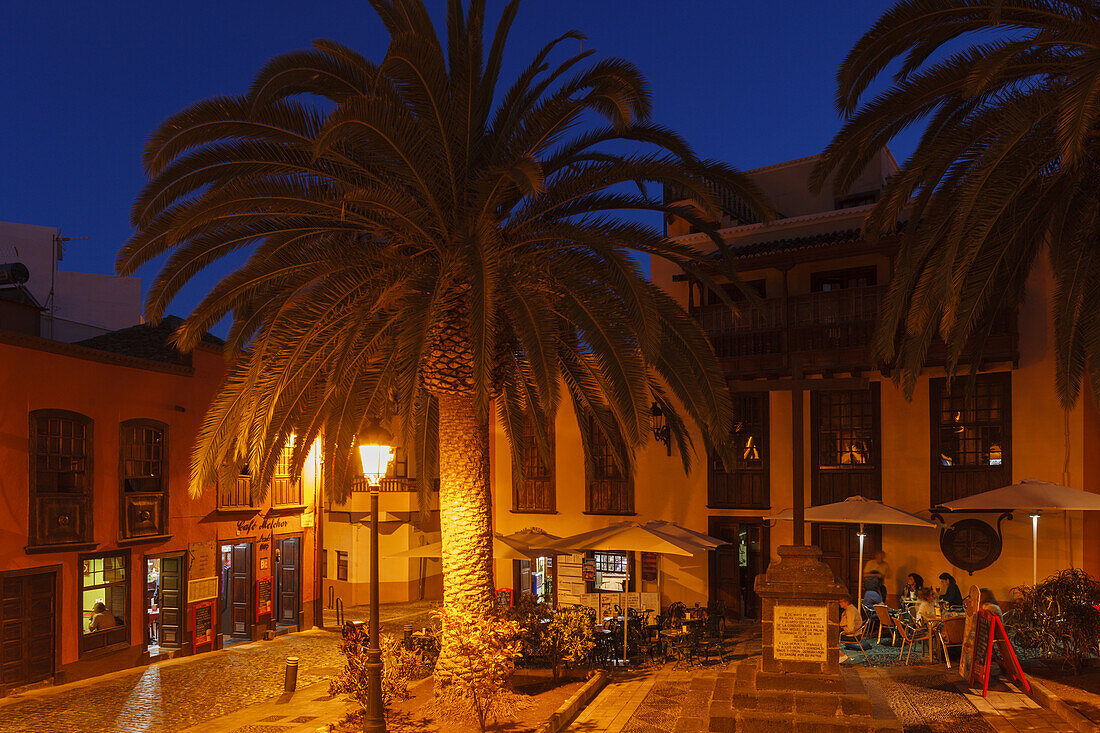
(202, 625)
(264, 600)
(991, 637)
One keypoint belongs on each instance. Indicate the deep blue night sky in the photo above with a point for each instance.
(84, 83)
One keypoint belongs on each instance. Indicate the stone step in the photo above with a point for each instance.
(777, 701)
(758, 721)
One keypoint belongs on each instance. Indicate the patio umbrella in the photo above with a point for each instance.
(1033, 496)
(535, 539)
(633, 537)
(676, 531)
(861, 511)
(504, 548)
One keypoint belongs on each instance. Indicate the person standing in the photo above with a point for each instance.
(877, 568)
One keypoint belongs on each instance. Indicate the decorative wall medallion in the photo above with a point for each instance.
(971, 544)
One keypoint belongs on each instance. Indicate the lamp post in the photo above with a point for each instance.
(1034, 548)
(376, 452)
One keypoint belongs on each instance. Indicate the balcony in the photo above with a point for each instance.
(820, 332)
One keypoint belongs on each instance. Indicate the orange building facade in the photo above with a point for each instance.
(95, 447)
(817, 416)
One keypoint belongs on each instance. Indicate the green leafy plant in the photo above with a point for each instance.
(399, 666)
(1058, 617)
(487, 647)
(568, 639)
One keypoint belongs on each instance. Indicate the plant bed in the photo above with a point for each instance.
(536, 696)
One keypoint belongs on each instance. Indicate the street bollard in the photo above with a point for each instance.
(291, 680)
(408, 639)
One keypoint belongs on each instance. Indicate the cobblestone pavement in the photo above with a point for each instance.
(173, 695)
(393, 615)
(925, 700)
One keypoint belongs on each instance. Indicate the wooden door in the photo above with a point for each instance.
(171, 601)
(734, 566)
(27, 629)
(240, 579)
(839, 545)
(287, 578)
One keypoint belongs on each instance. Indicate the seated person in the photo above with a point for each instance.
(913, 585)
(950, 593)
(989, 602)
(850, 621)
(101, 620)
(872, 593)
(925, 610)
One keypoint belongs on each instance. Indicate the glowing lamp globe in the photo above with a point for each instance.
(376, 452)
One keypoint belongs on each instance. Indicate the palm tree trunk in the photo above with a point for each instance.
(465, 519)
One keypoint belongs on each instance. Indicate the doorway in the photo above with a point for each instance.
(535, 578)
(839, 545)
(287, 567)
(235, 610)
(734, 566)
(163, 603)
(28, 617)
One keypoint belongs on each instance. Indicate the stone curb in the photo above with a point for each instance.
(569, 709)
(1065, 711)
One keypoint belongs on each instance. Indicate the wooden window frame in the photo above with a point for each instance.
(620, 484)
(148, 501)
(84, 648)
(341, 565)
(242, 482)
(864, 479)
(743, 472)
(282, 480)
(36, 541)
(816, 278)
(539, 480)
(977, 478)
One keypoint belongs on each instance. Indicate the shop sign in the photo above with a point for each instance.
(264, 601)
(270, 523)
(202, 625)
(202, 559)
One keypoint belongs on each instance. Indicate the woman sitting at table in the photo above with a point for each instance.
(925, 610)
(913, 585)
(951, 593)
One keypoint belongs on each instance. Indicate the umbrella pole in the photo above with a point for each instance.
(859, 586)
(1035, 549)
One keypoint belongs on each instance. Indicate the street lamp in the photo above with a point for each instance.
(376, 452)
(661, 431)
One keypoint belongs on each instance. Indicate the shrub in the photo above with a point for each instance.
(486, 647)
(399, 666)
(568, 639)
(1058, 617)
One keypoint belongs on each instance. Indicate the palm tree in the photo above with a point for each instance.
(1007, 166)
(422, 250)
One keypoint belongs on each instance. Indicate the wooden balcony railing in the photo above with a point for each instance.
(826, 330)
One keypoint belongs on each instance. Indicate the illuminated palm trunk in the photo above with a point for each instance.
(465, 519)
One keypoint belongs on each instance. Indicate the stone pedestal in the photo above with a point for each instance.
(800, 618)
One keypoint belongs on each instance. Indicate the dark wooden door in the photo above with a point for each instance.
(734, 566)
(839, 545)
(240, 580)
(27, 629)
(171, 601)
(287, 575)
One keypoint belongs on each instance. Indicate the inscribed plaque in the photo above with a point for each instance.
(801, 633)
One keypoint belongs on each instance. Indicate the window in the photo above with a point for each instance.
(399, 466)
(609, 491)
(143, 478)
(854, 277)
(534, 491)
(104, 598)
(971, 436)
(746, 484)
(859, 199)
(734, 292)
(60, 478)
(324, 563)
(286, 489)
(614, 572)
(235, 489)
(845, 445)
(341, 565)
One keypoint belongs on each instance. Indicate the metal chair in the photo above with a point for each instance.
(885, 622)
(911, 635)
(856, 637)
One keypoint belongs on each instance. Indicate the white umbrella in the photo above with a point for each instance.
(674, 530)
(1034, 496)
(861, 511)
(634, 537)
(535, 539)
(504, 548)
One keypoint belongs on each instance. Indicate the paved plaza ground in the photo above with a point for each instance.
(240, 690)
